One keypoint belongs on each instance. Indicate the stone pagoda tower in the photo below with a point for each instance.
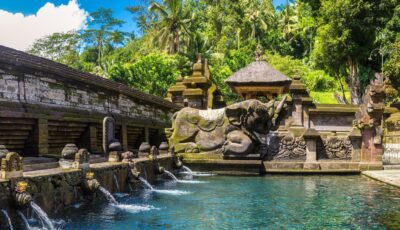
(198, 90)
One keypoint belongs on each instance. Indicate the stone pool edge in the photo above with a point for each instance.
(391, 177)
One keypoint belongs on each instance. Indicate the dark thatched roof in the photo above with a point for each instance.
(258, 72)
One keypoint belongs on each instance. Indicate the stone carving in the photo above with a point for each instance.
(3, 151)
(158, 169)
(144, 149)
(90, 184)
(371, 110)
(234, 130)
(11, 166)
(337, 147)
(287, 147)
(21, 196)
(82, 159)
(127, 156)
(154, 152)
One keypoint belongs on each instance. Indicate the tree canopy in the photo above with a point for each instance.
(335, 46)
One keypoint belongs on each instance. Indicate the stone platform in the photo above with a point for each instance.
(391, 177)
(54, 189)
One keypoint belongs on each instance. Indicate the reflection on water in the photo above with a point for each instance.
(270, 202)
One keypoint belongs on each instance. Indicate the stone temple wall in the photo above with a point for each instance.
(45, 105)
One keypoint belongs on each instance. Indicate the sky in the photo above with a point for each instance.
(24, 21)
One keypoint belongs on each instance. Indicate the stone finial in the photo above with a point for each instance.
(69, 151)
(163, 148)
(144, 149)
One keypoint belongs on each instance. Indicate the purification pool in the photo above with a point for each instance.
(227, 202)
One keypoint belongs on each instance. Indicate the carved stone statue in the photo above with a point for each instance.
(234, 130)
(337, 147)
(11, 166)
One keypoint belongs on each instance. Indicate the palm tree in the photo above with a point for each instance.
(172, 22)
(288, 19)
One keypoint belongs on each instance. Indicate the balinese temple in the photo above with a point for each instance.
(259, 80)
(198, 90)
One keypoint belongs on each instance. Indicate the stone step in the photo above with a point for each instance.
(391, 167)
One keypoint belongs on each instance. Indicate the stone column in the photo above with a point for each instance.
(146, 135)
(93, 138)
(124, 136)
(297, 113)
(43, 136)
(311, 136)
(355, 138)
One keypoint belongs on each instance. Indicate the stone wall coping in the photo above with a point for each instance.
(21, 59)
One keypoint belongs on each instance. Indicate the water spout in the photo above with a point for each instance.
(108, 195)
(187, 171)
(42, 215)
(146, 183)
(26, 223)
(116, 182)
(171, 175)
(8, 219)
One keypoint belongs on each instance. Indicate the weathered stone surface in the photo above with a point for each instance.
(234, 130)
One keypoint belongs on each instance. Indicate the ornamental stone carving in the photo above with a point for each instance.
(290, 147)
(337, 147)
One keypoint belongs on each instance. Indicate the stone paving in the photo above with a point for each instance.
(391, 177)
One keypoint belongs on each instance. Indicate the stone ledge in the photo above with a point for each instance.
(391, 177)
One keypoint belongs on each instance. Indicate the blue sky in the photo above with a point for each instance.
(119, 7)
(23, 21)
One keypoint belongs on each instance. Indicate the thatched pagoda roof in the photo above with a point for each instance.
(258, 73)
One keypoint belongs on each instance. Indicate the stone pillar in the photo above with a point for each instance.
(147, 134)
(93, 138)
(311, 136)
(355, 138)
(43, 136)
(124, 136)
(297, 113)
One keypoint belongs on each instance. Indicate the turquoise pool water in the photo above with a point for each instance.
(269, 202)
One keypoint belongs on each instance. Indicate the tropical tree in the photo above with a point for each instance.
(60, 47)
(103, 33)
(171, 24)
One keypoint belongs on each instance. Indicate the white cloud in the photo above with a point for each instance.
(19, 32)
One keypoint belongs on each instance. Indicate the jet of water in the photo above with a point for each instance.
(8, 219)
(171, 175)
(146, 183)
(188, 172)
(42, 215)
(27, 225)
(116, 182)
(108, 195)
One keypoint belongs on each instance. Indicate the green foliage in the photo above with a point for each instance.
(325, 42)
(315, 80)
(152, 73)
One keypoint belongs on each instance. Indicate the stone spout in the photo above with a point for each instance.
(177, 162)
(158, 169)
(90, 184)
(21, 196)
(134, 174)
